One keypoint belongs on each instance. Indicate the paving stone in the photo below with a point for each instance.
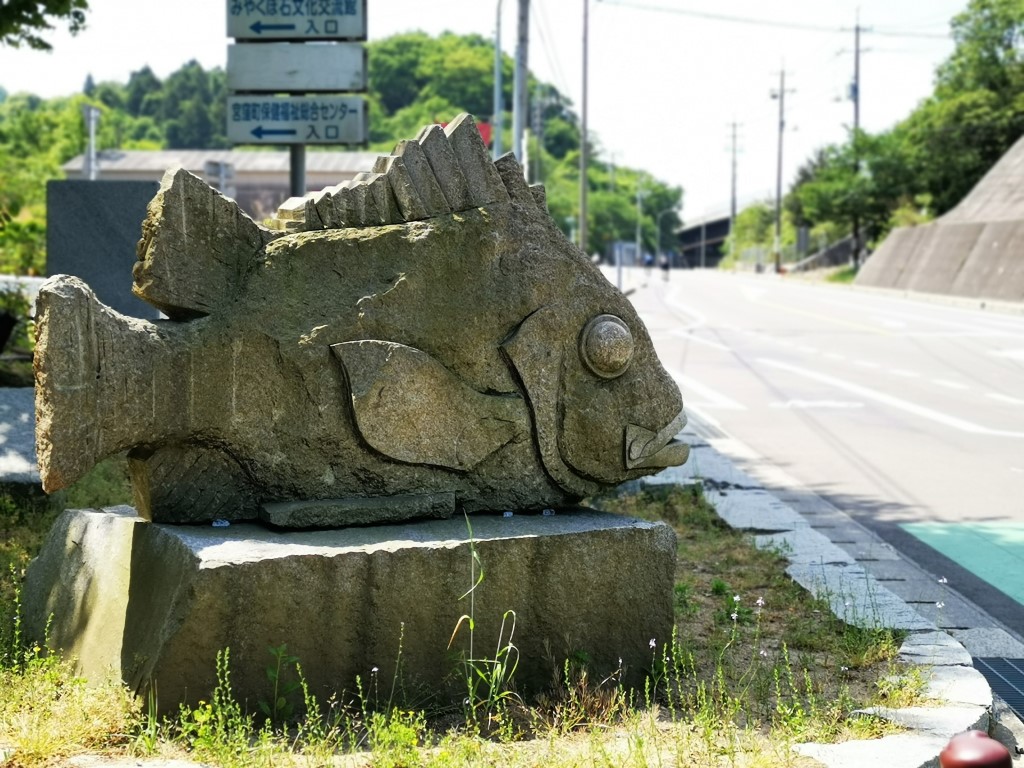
(709, 466)
(900, 570)
(934, 648)
(804, 546)
(754, 510)
(904, 750)
(988, 642)
(958, 685)
(17, 427)
(954, 613)
(918, 590)
(944, 722)
(856, 598)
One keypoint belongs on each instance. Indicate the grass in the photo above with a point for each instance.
(845, 275)
(755, 666)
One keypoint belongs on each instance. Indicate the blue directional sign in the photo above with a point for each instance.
(297, 19)
(327, 119)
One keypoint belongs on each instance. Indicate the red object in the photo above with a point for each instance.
(974, 749)
(485, 132)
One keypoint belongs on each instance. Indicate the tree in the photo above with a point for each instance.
(22, 21)
(989, 39)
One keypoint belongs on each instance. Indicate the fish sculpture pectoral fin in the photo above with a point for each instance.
(412, 409)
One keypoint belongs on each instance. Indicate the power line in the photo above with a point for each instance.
(761, 22)
(550, 51)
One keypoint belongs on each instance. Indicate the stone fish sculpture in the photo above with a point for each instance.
(419, 340)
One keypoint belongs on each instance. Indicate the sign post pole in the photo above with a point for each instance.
(282, 91)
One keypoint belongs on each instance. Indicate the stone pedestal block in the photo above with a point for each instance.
(154, 603)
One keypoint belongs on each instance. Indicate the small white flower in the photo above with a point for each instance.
(735, 598)
(374, 671)
(760, 602)
(734, 616)
(764, 653)
(844, 669)
(943, 580)
(653, 644)
(940, 605)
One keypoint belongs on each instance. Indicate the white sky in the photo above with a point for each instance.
(664, 86)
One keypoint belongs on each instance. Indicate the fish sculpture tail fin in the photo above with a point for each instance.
(82, 398)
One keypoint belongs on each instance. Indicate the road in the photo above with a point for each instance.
(907, 415)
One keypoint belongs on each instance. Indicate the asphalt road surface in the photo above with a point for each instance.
(908, 415)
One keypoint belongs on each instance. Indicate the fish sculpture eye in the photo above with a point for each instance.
(606, 346)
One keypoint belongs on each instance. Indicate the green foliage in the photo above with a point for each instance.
(280, 708)
(218, 729)
(488, 679)
(23, 21)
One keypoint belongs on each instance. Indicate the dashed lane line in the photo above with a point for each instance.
(921, 411)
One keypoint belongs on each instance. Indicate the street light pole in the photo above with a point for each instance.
(584, 149)
(497, 117)
(781, 96)
(660, 214)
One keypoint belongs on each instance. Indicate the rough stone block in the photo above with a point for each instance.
(154, 603)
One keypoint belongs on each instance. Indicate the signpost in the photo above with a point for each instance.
(292, 67)
(297, 19)
(291, 75)
(326, 119)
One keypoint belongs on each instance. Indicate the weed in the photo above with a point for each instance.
(488, 679)
(280, 708)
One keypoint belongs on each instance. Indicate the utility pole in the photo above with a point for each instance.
(499, 98)
(519, 84)
(539, 100)
(781, 96)
(91, 169)
(638, 259)
(732, 198)
(584, 150)
(855, 96)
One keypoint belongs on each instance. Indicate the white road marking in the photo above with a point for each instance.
(684, 334)
(904, 373)
(808, 404)
(894, 402)
(950, 384)
(1004, 398)
(888, 323)
(709, 398)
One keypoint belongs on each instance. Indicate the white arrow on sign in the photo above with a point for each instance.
(297, 19)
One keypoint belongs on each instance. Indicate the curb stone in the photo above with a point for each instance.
(829, 571)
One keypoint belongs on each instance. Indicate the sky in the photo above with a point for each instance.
(667, 78)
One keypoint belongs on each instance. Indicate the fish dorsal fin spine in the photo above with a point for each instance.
(442, 170)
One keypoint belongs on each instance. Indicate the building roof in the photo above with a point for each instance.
(244, 161)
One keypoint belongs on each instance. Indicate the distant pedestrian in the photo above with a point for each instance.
(664, 267)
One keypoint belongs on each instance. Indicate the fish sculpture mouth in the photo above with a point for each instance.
(646, 449)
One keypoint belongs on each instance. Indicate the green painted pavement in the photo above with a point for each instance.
(991, 551)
